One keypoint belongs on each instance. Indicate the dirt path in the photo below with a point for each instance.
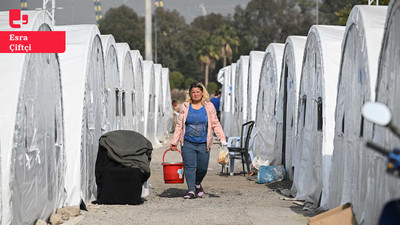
(228, 200)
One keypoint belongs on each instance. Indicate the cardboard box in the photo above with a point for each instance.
(342, 215)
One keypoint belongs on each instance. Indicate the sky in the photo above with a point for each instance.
(82, 11)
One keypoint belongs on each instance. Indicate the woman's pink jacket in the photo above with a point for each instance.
(213, 124)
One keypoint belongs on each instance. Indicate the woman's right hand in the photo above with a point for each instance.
(173, 146)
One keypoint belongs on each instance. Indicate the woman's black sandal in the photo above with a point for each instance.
(189, 196)
(200, 191)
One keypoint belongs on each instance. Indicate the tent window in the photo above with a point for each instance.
(320, 122)
(55, 127)
(133, 103)
(304, 100)
(362, 127)
(150, 103)
(275, 107)
(123, 104)
(291, 123)
(26, 128)
(343, 124)
(116, 102)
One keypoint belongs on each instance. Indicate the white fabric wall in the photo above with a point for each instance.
(158, 104)
(225, 103)
(232, 131)
(289, 89)
(138, 111)
(167, 103)
(357, 81)
(32, 130)
(266, 105)
(127, 84)
(149, 100)
(318, 84)
(242, 70)
(381, 186)
(255, 61)
(112, 83)
(82, 72)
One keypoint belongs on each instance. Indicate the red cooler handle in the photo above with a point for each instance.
(172, 149)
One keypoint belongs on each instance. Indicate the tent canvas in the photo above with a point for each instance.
(82, 73)
(225, 103)
(112, 83)
(32, 130)
(167, 103)
(137, 93)
(317, 102)
(381, 186)
(266, 105)
(158, 107)
(242, 70)
(232, 128)
(127, 84)
(356, 85)
(255, 61)
(149, 100)
(286, 129)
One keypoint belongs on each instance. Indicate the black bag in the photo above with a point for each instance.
(116, 183)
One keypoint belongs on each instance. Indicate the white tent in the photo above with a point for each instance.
(286, 111)
(138, 110)
(317, 102)
(255, 61)
(232, 130)
(158, 107)
(381, 186)
(149, 101)
(112, 83)
(240, 96)
(266, 104)
(82, 72)
(225, 103)
(356, 85)
(167, 103)
(127, 83)
(32, 130)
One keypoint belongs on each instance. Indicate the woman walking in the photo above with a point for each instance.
(197, 119)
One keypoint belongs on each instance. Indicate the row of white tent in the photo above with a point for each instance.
(55, 107)
(306, 97)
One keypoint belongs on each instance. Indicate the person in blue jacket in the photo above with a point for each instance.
(216, 102)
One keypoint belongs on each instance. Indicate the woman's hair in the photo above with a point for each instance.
(202, 88)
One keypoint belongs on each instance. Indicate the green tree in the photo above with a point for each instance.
(212, 87)
(227, 38)
(343, 13)
(210, 22)
(125, 25)
(208, 54)
(266, 21)
(175, 80)
(188, 81)
(170, 28)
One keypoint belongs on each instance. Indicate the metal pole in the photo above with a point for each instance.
(155, 38)
(317, 12)
(148, 44)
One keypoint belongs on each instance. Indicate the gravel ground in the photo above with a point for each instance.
(228, 200)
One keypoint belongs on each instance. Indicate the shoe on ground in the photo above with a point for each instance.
(189, 195)
(200, 192)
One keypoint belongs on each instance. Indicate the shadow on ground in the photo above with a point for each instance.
(173, 193)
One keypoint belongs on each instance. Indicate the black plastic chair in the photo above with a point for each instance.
(242, 152)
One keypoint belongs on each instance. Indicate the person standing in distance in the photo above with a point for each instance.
(197, 120)
(216, 101)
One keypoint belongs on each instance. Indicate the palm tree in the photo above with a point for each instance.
(208, 53)
(227, 38)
